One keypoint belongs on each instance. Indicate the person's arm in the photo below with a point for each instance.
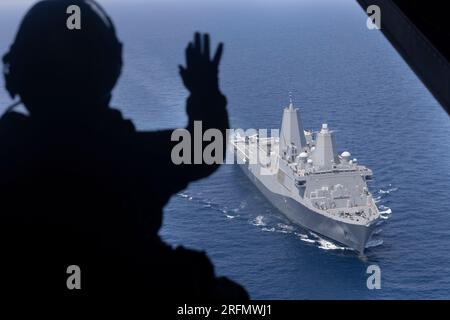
(206, 104)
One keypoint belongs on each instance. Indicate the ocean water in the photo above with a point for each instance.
(339, 73)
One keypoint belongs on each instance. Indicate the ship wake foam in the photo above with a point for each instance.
(206, 204)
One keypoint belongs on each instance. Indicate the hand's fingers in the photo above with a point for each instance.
(218, 54)
(188, 54)
(206, 46)
(197, 43)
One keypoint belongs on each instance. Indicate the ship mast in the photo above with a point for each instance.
(292, 136)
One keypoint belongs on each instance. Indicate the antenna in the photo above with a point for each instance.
(291, 103)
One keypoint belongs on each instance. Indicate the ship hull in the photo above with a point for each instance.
(350, 235)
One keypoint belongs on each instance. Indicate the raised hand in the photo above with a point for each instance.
(200, 76)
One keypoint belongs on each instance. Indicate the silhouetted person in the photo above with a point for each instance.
(78, 184)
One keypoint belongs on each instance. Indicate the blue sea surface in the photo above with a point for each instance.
(340, 73)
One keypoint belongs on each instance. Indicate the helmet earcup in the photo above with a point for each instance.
(9, 75)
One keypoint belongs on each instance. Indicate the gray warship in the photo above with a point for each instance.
(304, 177)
